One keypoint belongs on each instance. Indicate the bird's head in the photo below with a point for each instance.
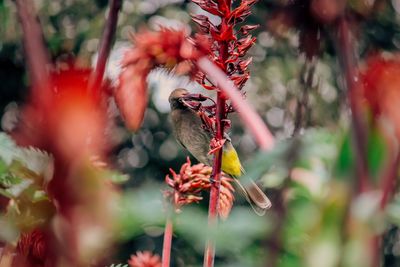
(180, 97)
(177, 97)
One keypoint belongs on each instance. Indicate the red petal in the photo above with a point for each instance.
(203, 22)
(243, 64)
(247, 28)
(245, 44)
(131, 96)
(208, 6)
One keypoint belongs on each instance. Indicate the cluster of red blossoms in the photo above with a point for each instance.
(144, 259)
(33, 247)
(191, 181)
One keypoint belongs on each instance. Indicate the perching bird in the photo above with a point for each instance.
(187, 126)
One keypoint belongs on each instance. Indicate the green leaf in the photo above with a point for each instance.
(376, 152)
(3, 167)
(345, 161)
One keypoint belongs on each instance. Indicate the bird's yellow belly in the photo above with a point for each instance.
(231, 163)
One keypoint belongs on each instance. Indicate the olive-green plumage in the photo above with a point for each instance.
(187, 126)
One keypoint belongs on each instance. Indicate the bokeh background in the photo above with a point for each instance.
(283, 78)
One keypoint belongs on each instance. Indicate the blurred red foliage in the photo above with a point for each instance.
(69, 122)
(381, 84)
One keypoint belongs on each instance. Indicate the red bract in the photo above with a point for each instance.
(166, 48)
(144, 259)
(191, 181)
(131, 96)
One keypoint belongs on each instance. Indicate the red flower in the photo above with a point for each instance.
(191, 181)
(33, 246)
(144, 259)
(170, 49)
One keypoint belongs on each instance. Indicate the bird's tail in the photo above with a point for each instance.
(254, 195)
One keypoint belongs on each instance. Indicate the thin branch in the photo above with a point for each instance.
(106, 42)
(346, 54)
(249, 116)
(302, 102)
(37, 55)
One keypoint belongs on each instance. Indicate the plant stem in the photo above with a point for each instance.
(107, 39)
(248, 115)
(209, 253)
(346, 54)
(37, 55)
(166, 254)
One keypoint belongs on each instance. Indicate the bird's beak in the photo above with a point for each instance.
(194, 97)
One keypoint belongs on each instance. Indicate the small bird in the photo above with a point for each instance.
(188, 130)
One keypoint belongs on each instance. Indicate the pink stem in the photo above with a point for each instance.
(105, 45)
(37, 55)
(166, 254)
(248, 115)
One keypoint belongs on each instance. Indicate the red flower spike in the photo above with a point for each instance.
(191, 181)
(144, 259)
